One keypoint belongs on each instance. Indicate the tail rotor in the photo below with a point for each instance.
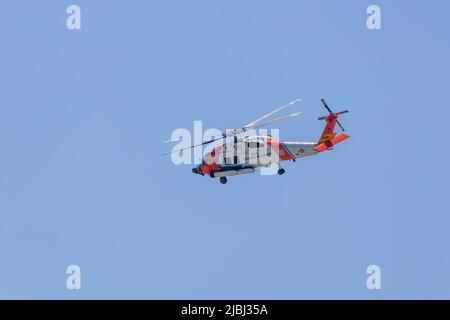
(332, 113)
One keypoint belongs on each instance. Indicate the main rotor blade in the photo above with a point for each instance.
(274, 120)
(195, 145)
(326, 106)
(251, 124)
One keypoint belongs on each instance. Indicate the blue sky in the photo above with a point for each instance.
(83, 115)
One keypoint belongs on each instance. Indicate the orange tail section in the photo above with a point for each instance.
(328, 138)
(328, 133)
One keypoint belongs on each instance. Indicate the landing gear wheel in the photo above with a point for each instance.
(281, 171)
(223, 180)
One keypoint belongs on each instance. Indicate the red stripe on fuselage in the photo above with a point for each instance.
(211, 160)
(281, 150)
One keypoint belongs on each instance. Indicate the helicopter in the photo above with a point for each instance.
(243, 155)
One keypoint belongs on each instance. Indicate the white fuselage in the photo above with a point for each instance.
(259, 151)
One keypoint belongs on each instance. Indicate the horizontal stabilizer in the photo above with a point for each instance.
(330, 143)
